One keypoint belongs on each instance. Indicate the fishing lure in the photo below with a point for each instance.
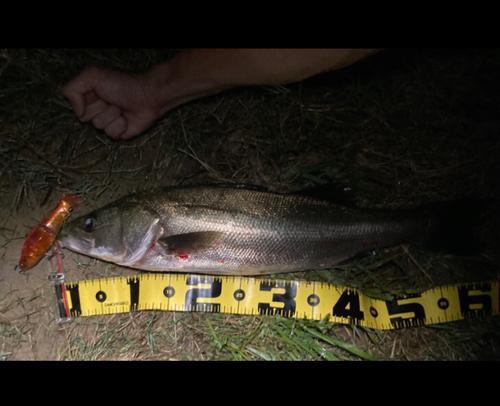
(42, 236)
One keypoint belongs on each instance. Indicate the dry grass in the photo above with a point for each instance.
(400, 129)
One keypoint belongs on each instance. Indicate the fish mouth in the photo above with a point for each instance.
(82, 244)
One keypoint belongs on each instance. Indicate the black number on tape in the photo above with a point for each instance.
(473, 304)
(286, 298)
(134, 293)
(192, 295)
(348, 307)
(393, 308)
(76, 307)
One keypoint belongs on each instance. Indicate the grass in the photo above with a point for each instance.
(162, 336)
(399, 129)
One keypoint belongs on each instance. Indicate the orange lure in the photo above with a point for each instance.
(43, 235)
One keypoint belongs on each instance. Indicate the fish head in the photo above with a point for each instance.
(120, 233)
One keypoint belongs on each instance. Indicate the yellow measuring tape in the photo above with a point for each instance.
(250, 296)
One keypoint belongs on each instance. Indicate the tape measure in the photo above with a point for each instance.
(250, 296)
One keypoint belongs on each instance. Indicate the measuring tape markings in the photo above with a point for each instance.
(298, 299)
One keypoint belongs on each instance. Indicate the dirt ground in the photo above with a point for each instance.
(402, 128)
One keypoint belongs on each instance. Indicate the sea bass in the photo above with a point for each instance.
(219, 229)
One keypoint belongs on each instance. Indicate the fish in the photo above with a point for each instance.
(244, 230)
(42, 236)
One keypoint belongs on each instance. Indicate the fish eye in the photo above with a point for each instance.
(89, 224)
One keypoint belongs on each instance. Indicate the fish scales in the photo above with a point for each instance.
(223, 230)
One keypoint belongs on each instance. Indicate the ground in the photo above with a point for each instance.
(402, 128)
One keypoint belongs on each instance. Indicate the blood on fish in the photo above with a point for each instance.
(43, 235)
(183, 256)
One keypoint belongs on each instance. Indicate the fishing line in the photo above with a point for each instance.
(62, 286)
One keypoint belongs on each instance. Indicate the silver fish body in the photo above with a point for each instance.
(239, 231)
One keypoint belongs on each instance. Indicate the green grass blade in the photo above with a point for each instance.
(348, 347)
(260, 354)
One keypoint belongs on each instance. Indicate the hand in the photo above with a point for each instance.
(124, 105)
(121, 104)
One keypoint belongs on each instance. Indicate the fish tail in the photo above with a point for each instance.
(464, 227)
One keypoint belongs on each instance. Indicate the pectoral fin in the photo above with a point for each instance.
(190, 242)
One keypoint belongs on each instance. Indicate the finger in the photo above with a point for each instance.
(90, 97)
(92, 109)
(76, 100)
(82, 84)
(116, 128)
(135, 127)
(105, 117)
